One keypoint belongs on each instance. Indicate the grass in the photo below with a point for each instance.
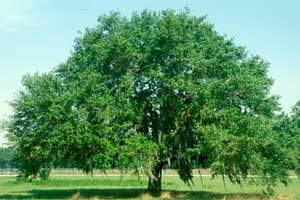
(129, 187)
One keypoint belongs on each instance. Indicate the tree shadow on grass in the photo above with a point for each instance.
(122, 193)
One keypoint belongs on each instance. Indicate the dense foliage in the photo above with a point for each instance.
(288, 136)
(7, 158)
(150, 90)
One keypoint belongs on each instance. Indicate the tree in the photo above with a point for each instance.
(294, 132)
(288, 136)
(141, 92)
(33, 122)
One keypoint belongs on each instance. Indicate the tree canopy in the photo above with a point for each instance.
(145, 91)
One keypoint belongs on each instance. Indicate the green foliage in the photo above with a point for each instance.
(7, 158)
(143, 91)
(138, 153)
(288, 136)
(33, 122)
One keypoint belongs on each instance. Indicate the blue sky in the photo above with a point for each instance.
(37, 35)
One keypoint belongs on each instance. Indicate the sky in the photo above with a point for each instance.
(37, 35)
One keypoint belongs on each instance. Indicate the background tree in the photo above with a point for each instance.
(33, 122)
(288, 136)
(141, 92)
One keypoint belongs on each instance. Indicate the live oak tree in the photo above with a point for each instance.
(146, 91)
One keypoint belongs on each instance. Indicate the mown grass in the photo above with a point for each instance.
(129, 187)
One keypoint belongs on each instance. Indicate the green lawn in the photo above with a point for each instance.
(101, 187)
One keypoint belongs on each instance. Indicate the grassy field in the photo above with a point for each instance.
(130, 187)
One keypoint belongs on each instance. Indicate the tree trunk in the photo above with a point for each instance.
(154, 184)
